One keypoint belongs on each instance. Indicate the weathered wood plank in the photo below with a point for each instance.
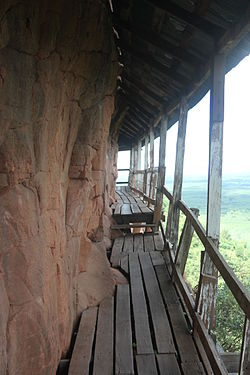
(124, 354)
(185, 243)
(168, 364)
(193, 368)
(116, 251)
(161, 169)
(126, 210)
(163, 335)
(245, 350)
(168, 291)
(183, 337)
(118, 209)
(80, 360)
(138, 243)
(128, 244)
(146, 364)
(149, 242)
(178, 173)
(208, 284)
(159, 244)
(157, 258)
(124, 263)
(142, 329)
(103, 359)
(135, 209)
(240, 293)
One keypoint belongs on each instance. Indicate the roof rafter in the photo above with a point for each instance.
(156, 40)
(190, 18)
(146, 58)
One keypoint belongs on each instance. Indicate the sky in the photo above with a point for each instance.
(236, 146)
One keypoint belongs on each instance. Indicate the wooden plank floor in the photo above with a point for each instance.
(142, 330)
(129, 208)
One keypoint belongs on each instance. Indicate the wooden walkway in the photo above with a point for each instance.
(142, 329)
(129, 208)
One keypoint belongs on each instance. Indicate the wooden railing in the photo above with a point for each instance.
(144, 181)
(177, 261)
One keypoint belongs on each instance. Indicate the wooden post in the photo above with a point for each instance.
(135, 166)
(139, 156)
(131, 171)
(139, 179)
(145, 165)
(209, 275)
(161, 170)
(245, 350)
(151, 160)
(173, 218)
(185, 242)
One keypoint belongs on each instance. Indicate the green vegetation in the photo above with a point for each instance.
(234, 245)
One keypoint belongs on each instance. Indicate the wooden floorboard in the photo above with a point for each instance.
(149, 242)
(123, 347)
(162, 330)
(138, 243)
(183, 337)
(168, 364)
(142, 328)
(128, 244)
(80, 360)
(159, 244)
(116, 251)
(146, 364)
(126, 210)
(103, 359)
(124, 263)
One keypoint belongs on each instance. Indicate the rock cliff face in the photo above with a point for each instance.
(57, 166)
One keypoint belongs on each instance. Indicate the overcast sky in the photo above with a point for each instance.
(236, 152)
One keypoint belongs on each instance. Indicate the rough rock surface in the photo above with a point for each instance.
(57, 169)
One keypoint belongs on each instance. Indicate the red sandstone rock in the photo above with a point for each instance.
(57, 170)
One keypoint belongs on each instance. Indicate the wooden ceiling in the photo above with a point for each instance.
(165, 49)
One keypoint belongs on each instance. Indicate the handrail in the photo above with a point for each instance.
(147, 198)
(238, 290)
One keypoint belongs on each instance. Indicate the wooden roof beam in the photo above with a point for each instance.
(142, 98)
(156, 40)
(137, 113)
(139, 117)
(135, 104)
(135, 124)
(146, 58)
(140, 88)
(138, 124)
(190, 18)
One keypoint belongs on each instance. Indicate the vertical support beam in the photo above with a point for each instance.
(185, 242)
(161, 170)
(151, 152)
(245, 350)
(209, 275)
(146, 153)
(151, 160)
(135, 166)
(138, 176)
(173, 218)
(145, 165)
(131, 167)
(139, 156)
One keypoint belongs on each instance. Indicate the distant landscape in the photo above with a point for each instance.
(234, 245)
